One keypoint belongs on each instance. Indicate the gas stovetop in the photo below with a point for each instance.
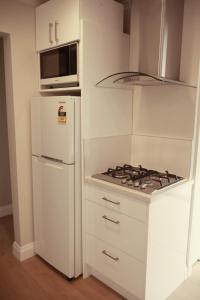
(138, 178)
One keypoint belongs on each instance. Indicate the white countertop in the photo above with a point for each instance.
(133, 193)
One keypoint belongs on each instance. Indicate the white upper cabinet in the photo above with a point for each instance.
(44, 26)
(57, 23)
(66, 21)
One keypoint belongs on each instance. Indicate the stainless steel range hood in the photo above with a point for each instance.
(127, 80)
(156, 43)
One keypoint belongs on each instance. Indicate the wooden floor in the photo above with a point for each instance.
(36, 280)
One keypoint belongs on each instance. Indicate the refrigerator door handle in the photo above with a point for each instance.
(52, 159)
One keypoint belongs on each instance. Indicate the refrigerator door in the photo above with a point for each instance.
(53, 199)
(53, 125)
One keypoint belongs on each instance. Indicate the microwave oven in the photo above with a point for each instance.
(59, 67)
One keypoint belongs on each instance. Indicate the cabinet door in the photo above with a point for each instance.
(45, 30)
(66, 21)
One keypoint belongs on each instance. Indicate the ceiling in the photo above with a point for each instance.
(32, 2)
(37, 2)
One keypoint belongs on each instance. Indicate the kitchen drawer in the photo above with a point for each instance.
(126, 205)
(116, 266)
(117, 229)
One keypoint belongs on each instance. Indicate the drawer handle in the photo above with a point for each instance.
(113, 202)
(108, 219)
(110, 256)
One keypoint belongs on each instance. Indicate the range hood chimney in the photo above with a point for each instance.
(156, 42)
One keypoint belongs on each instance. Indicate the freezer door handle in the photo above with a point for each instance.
(52, 159)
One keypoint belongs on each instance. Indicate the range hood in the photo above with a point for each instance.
(156, 42)
(127, 80)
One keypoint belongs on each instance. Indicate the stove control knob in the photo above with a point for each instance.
(136, 184)
(143, 186)
(130, 182)
(124, 180)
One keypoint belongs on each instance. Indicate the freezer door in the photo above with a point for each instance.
(53, 199)
(53, 128)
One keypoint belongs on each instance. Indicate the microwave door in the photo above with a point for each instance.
(49, 64)
(59, 66)
(54, 137)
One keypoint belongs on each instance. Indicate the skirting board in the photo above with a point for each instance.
(23, 252)
(5, 210)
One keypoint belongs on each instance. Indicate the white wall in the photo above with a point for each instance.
(194, 238)
(190, 42)
(163, 128)
(5, 186)
(163, 117)
(18, 21)
(189, 72)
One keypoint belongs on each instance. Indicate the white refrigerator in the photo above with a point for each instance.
(56, 167)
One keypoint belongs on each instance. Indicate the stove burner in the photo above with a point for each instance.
(138, 178)
(129, 172)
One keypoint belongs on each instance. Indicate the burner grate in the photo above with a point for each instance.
(138, 178)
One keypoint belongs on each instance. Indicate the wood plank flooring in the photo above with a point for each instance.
(36, 280)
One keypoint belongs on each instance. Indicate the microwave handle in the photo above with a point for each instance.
(50, 33)
(56, 31)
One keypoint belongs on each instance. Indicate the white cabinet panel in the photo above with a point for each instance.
(45, 26)
(66, 16)
(120, 268)
(57, 23)
(116, 229)
(53, 199)
(108, 111)
(99, 11)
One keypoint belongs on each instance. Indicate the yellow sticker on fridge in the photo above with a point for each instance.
(62, 118)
